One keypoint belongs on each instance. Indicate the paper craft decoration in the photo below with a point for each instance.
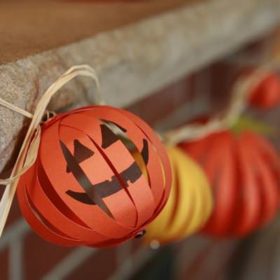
(100, 176)
(189, 204)
(266, 94)
(244, 173)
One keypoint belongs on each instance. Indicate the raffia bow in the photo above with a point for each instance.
(29, 149)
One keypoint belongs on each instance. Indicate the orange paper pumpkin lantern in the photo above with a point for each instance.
(244, 173)
(100, 176)
(266, 94)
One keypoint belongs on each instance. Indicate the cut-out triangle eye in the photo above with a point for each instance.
(81, 153)
(108, 136)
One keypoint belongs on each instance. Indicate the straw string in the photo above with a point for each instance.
(240, 93)
(29, 149)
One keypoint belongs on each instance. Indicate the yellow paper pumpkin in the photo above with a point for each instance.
(189, 204)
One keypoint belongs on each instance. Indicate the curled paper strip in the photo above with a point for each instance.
(244, 173)
(100, 176)
(189, 204)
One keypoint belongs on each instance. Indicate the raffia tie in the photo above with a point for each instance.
(29, 149)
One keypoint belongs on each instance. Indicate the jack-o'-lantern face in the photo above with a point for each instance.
(101, 175)
(94, 193)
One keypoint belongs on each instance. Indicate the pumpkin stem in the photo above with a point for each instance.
(246, 123)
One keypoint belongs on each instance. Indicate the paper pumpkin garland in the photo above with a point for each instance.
(244, 173)
(100, 176)
(189, 204)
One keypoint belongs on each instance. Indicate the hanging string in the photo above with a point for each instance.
(29, 149)
(15, 108)
(240, 93)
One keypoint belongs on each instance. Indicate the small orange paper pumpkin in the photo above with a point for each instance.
(244, 173)
(266, 94)
(100, 176)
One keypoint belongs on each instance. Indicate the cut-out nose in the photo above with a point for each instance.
(81, 153)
